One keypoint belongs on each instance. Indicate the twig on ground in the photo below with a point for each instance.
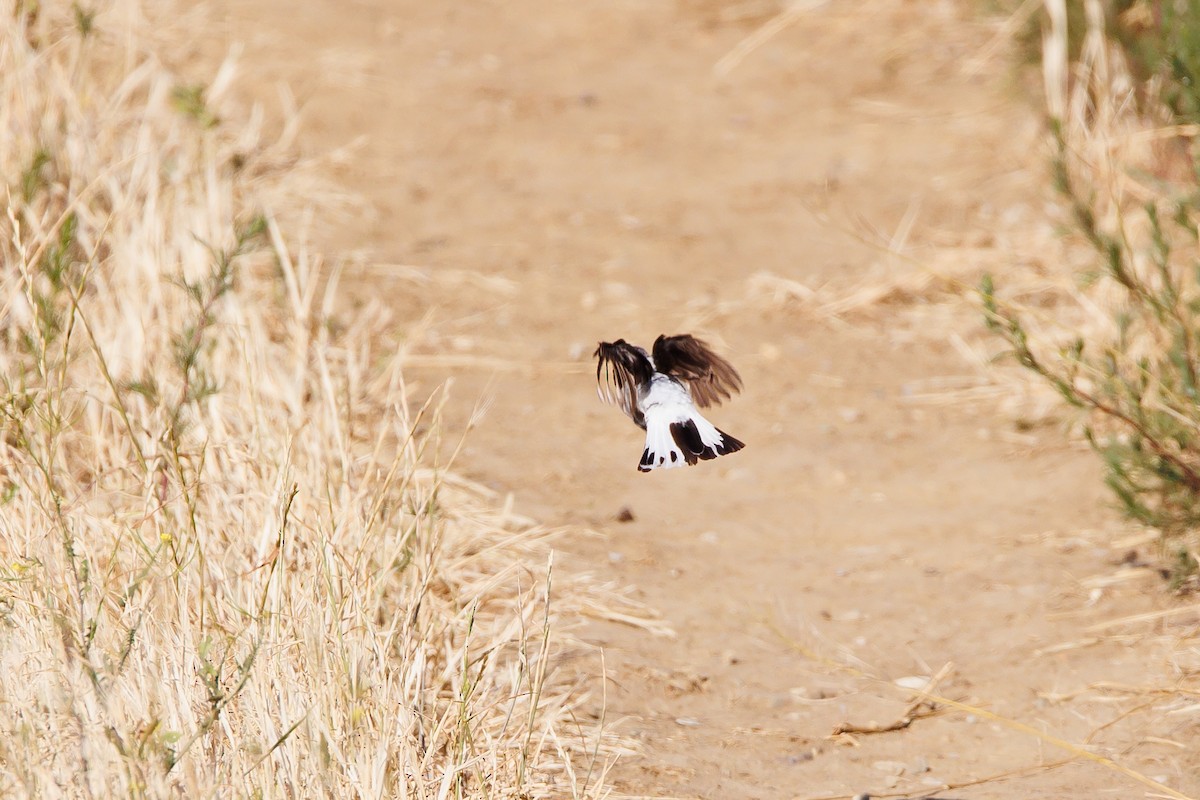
(912, 712)
(1077, 751)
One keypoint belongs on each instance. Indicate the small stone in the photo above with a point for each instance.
(687, 722)
(917, 682)
(625, 514)
(815, 692)
(891, 767)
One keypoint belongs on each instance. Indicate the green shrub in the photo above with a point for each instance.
(1140, 390)
(1137, 382)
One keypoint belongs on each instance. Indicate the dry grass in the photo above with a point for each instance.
(233, 561)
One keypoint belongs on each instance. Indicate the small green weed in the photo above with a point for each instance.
(189, 100)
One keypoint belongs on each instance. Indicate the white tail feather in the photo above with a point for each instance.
(661, 451)
(676, 433)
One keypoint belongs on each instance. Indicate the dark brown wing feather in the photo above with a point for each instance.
(620, 369)
(709, 377)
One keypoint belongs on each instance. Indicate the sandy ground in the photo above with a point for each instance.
(538, 177)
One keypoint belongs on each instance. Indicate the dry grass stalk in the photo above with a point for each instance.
(791, 12)
(917, 708)
(230, 560)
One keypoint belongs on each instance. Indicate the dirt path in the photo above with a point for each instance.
(567, 173)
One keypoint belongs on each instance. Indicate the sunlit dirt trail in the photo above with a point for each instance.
(563, 174)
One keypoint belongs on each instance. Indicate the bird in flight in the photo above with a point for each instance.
(660, 390)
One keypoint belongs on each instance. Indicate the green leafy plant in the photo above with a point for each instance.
(190, 101)
(1139, 390)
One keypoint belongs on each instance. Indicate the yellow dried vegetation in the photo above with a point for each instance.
(234, 560)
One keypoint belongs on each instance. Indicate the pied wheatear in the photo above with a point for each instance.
(660, 390)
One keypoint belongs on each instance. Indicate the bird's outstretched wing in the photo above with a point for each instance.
(709, 377)
(620, 369)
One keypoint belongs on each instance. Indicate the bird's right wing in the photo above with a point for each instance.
(709, 378)
(620, 369)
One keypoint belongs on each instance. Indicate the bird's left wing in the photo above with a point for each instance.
(620, 369)
(709, 378)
